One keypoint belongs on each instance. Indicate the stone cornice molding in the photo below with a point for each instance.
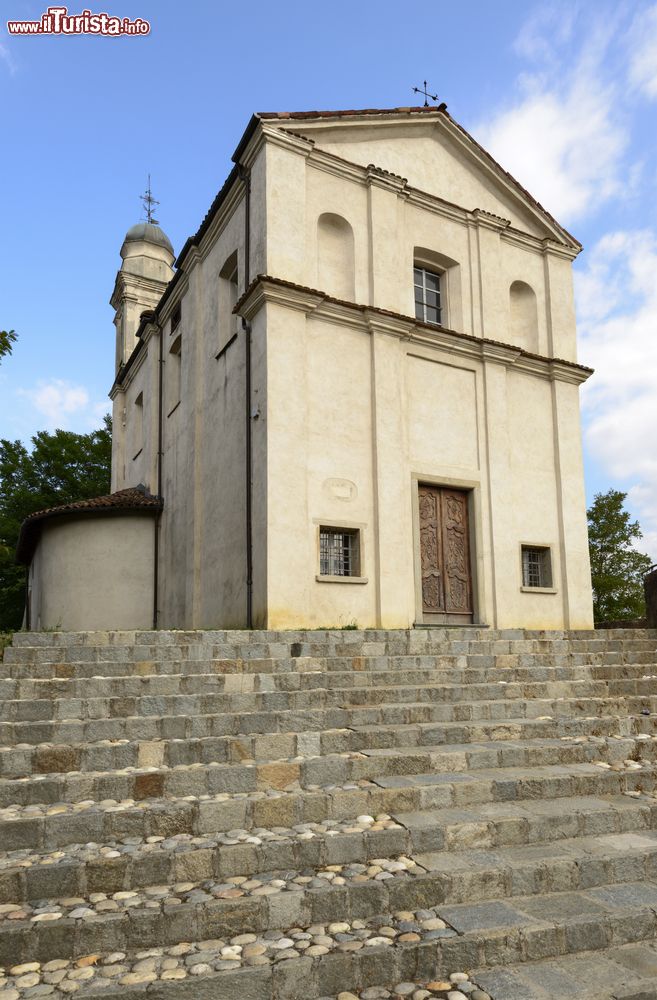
(136, 359)
(488, 220)
(340, 166)
(493, 169)
(380, 321)
(196, 253)
(282, 138)
(378, 177)
(126, 282)
(181, 288)
(346, 169)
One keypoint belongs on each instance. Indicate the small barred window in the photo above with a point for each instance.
(339, 552)
(536, 567)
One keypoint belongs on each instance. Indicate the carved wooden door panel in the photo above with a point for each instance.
(445, 554)
(431, 556)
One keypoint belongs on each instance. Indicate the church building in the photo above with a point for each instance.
(351, 399)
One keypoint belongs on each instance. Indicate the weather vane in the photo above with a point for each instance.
(149, 201)
(427, 95)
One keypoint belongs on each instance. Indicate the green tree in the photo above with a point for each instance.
(7, 339)
(61, 468)
(617, 568)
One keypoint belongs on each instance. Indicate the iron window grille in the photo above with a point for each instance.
(427, 295)
(536, 567)
(338, 552)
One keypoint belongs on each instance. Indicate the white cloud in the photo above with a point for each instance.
(617, 308)
(563, 138)
(64, 405)
(642, 45)
(7, 58)
(549, 26)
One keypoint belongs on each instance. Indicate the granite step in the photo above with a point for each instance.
(203, 651)
(193, 716)
(242, 701)
(26, 760)
(467, 668)
(168, 913)
(246, 697)
(165, 914)
(471, 801)
(358, 737)
(570, 665)
(624, 972)
(362, 889)
(516, 773)
(165, 843)
(417, 636)
(325, 960)
(519, 681)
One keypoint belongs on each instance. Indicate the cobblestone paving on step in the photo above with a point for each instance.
(456, 986)
(204, 958)
(185, 842)
(160, 897)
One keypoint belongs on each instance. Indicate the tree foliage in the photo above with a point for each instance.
(7, 339)
(61, 468)
(617, 568)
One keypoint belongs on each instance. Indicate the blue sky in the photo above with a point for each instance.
(563, 94)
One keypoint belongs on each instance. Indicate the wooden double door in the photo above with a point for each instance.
(445, 555)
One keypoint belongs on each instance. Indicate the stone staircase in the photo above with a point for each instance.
(302, 815)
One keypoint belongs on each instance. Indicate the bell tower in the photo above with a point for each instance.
(145, 272)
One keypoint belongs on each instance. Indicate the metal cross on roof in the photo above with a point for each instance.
(427, 95)
(149, 201)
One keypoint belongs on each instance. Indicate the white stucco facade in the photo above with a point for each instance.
(347, 404)
(92, 573)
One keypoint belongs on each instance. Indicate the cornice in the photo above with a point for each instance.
(182, 284)
(372, 175)
(336, 165)
(267, 291)
(126, 282)
(487, 220)
(554, 249)
(284, 139)
(380, 321)
(127, 372)
(332, 163)
(378, 177)
(492, 168)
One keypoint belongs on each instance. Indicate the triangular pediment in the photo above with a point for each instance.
(436, 156)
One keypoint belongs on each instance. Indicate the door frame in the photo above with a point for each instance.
(472, 488)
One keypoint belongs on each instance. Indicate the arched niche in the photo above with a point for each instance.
(336, 267)
(449, 271)
(524, 316)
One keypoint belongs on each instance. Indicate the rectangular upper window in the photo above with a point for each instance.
(173, 376)
(138, 427)
(339, 552)
(536, 567)
(175, 318)
(427, 295)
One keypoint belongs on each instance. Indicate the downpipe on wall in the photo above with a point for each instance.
(158, 516)
(245, 175)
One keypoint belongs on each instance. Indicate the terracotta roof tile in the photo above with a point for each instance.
(355, 112)
(136, 498)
